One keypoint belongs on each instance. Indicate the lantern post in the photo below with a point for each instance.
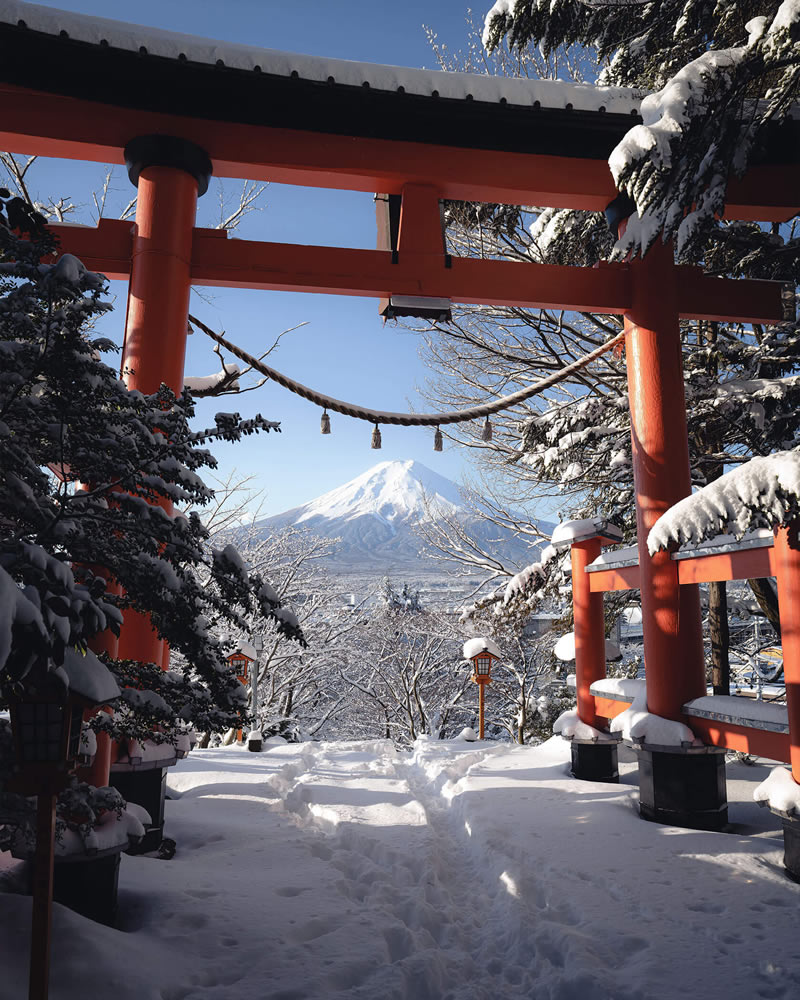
(240, 659)
(482, 653)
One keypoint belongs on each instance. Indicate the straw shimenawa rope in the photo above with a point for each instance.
(408, 419)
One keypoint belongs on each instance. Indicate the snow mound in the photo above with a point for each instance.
(638, 725)
(467, 735)
(780, 792)
(564, 649)
(570, 726)
(762, 493)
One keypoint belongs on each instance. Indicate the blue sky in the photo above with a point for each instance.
(344, 350)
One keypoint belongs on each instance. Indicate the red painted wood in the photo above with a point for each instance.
(774, 746)
(158, 303)
(53, 125)
(608, 708)
(334, 270)
(744, 565)
(590, 642)
(420, 221)
(673, 645)
(156, 325)
(787, 572)
(626, 578)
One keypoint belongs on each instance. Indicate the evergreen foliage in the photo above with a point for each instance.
(86, 470)
(573, 445)
(724, 74)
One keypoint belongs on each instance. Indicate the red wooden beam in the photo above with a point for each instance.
(608, 708)
(744, 565)
(289, 267)
(71, 128)
(701, 296)
(217, 261)
(763, 742)
(107, 249)
(626, 578)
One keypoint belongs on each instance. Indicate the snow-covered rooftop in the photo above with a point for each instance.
(480, 644)
(427, 83)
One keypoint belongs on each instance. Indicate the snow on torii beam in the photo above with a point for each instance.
(218, 261)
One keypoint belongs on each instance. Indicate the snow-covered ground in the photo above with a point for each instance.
(459, 871)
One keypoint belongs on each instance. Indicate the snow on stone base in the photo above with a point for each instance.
(780, 792)
(570, 726)
(638, 725)
(620, 688)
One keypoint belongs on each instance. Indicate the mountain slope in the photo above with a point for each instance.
(375, 514)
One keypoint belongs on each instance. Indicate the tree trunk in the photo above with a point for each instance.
(767, 598)
(720, 639)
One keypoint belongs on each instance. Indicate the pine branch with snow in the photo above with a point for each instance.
(66, 418)
(762, 493)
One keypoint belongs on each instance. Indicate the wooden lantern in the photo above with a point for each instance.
(482, 653)
(240, 659)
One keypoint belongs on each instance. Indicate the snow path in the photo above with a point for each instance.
(460, 871)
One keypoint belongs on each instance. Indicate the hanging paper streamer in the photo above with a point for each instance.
(486, 433)
(437, 440)
(376, 437)
(325, 423)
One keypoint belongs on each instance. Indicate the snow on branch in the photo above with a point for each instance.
(762, 493)
(698, 130)
(211, 385)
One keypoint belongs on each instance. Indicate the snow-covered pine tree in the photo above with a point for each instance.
(574, 443)
(723, 75)
(67, 419)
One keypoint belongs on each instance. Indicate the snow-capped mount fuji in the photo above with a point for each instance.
(375, 514)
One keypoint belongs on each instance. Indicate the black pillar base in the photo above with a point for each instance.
(147, 789)
(791, 846)
(595, 762)
(89, 887)
(683, 789)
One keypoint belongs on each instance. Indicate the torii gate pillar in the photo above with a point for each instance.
(685, 789)
(170, 175)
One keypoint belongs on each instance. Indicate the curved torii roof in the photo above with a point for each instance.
(136, 66)
(79, 86)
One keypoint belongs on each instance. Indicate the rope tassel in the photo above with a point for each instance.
(486, 433)
(325, 423)
(437, 440)
(376, 437)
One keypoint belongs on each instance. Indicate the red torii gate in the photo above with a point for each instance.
(73, 93)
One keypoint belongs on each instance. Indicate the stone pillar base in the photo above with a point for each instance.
(791, 846)
(683, 789)
(147, 789)
(595, 761)
(89, 887)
